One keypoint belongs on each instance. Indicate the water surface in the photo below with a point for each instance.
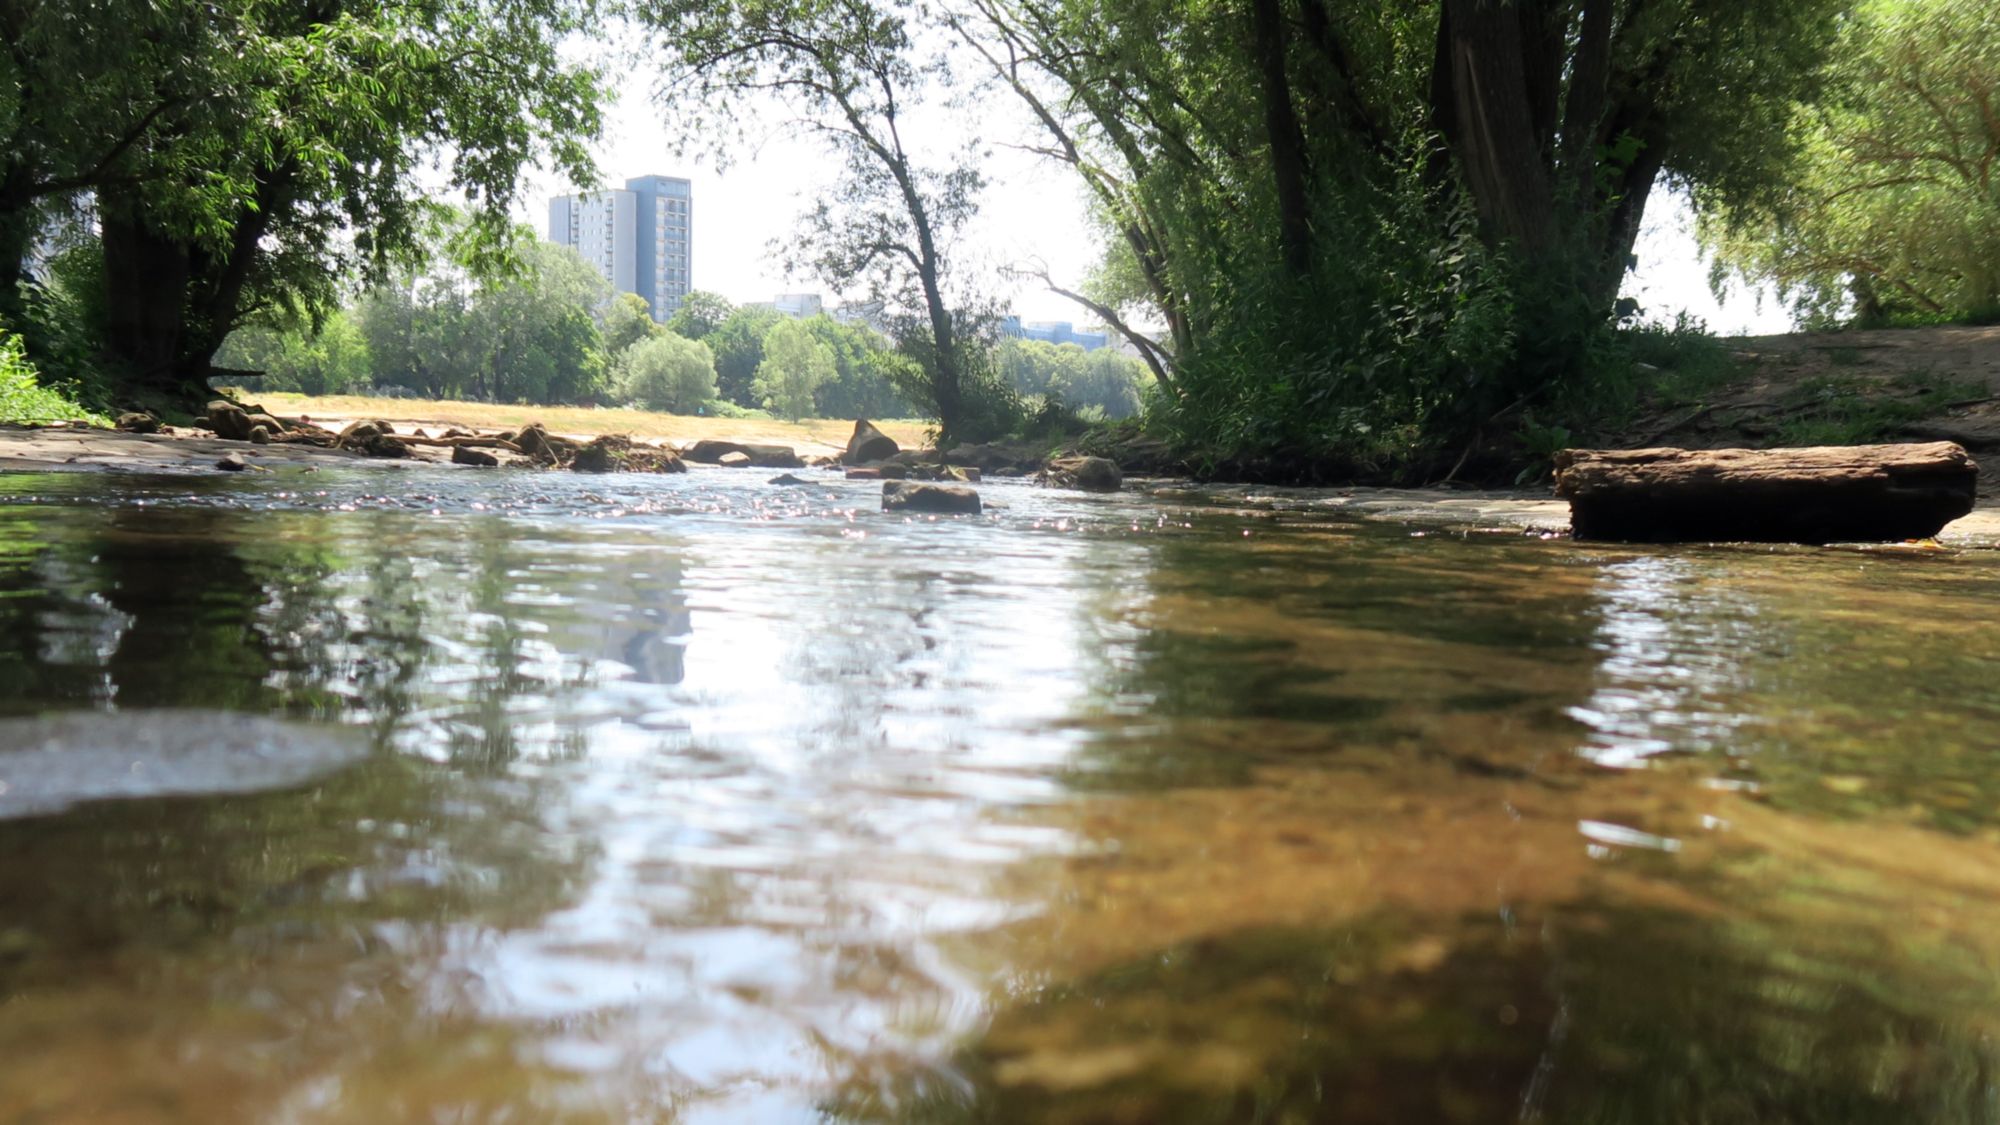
(701, 799)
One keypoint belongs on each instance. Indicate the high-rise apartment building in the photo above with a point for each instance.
(640, 237)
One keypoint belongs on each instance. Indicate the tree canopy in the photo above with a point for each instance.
(1374, 226)
(669, 373)
(795, 364)
(1895, 207)
(245, 155)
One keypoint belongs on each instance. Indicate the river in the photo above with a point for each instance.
(704, 799)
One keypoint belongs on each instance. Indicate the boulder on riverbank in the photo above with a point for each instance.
(602, 455)
(711, 452)
(227, 419)
(376, 439)
(1822, 494)
(997, 458)
(533, 440)
(943, 499)
(868, 444)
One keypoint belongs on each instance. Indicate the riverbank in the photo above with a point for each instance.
(1531, 512)
(811, 436)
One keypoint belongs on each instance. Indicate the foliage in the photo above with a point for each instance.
(738, 344)
(700, 315)
(625, 320)
(795, 364)
(668, 373)
(330, 361)
(1893, 214)
(1835, 410)
(527, 335)
(22, 396)
(268, 149)
(1102, 383)
(866, 371)
(1369, 229)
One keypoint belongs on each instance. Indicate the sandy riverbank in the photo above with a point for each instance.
(811, 437)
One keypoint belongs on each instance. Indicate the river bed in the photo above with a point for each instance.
(699, 799)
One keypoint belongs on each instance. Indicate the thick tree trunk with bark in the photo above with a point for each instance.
(1286, 136)
(146, 278)
(1813, 495)
(169, 303)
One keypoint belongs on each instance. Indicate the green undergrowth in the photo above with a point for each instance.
(1848, 410)
(23, 398)
(1639, 369)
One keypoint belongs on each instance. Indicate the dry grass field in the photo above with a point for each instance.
(816, 435)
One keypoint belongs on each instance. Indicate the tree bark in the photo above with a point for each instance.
(1289, 164)
(146, 279)
(1813, 495)
(1497, 139)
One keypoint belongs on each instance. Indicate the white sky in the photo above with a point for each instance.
(1032, 211)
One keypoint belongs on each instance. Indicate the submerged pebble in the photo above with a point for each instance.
(52, 763)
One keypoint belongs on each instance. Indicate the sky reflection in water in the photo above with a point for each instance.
(701, 798)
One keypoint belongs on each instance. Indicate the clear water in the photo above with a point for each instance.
(701, 799)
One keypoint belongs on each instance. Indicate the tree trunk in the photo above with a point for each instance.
(1813, 495)
(1287, 138)
(1497, 137)
(146, 279)
(17, 236)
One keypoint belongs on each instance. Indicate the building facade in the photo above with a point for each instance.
(640, 237)
(1052, 332)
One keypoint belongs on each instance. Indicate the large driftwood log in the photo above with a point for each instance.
(1822, 494)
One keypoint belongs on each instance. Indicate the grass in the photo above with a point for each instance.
(1844, 410)
(578, 421)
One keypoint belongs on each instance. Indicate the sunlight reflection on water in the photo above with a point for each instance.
(748, 801)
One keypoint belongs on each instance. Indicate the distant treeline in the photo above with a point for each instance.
(551, 331)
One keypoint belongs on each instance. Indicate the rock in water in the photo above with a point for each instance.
(232, 463)
(1820, 494)
(49, 764)
(869, 444)
(734, 460)
(466, 455)
(944, 499)
(136, 423)
(1091, 474)
(260, 435)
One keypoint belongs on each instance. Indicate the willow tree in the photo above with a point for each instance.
(850, 75)
(1363, 218)
(85, 87)
(1897, 209)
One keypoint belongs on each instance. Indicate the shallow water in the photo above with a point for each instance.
(701, 799)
